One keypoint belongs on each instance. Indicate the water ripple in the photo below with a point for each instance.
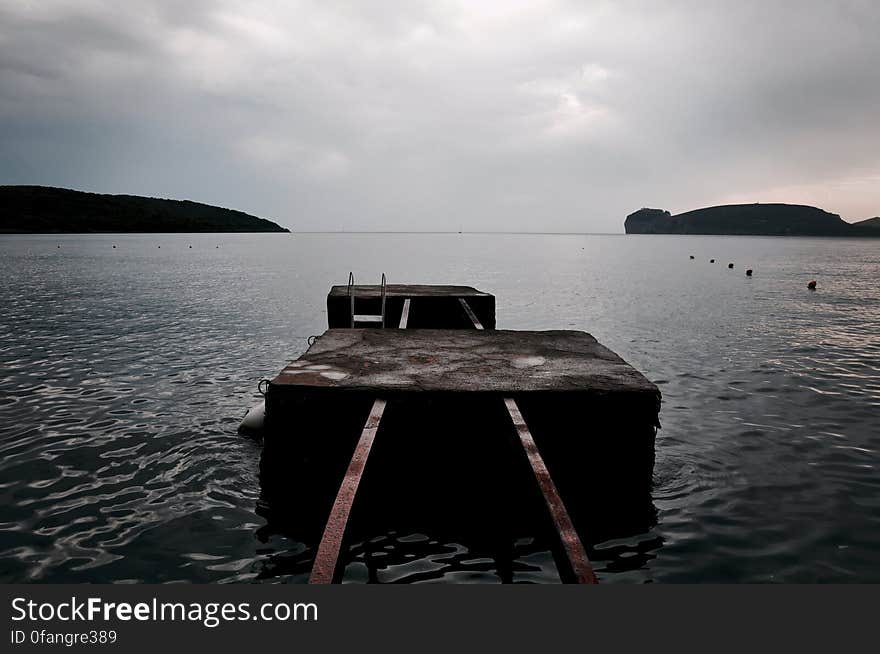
(123, 373)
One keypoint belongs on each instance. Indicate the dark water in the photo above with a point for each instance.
(124, 373)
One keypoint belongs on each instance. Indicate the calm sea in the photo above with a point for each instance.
(125, 371)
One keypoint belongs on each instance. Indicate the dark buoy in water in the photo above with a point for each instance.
(749, 272)
(811, 285)
(114, 247)
(730, 265)
(190, 247)
(711, 260)
(58, 246)
(692, 256)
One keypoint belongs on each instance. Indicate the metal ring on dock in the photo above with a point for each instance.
(263, 387)
(311, 339)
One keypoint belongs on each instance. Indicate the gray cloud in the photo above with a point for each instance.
(558, 116)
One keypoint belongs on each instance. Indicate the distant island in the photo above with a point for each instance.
(873, 223)
(750, 219)
(44, 209)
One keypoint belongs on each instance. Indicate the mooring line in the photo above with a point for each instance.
(324, 567)
(571, 543)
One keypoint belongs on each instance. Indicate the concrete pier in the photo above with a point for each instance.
(395, 362)
(431, 306)
(490, 435)
(593, 416)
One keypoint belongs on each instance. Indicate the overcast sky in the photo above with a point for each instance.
(506, 115)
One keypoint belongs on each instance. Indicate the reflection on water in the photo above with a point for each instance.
(124, 373)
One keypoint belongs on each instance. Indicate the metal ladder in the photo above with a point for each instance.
(365, 318)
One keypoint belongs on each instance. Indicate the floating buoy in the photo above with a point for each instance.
(114, 247)
(252, 424)
(811, 285)
(190, 247)
(58, 246)
(730, 265)
(749, 272)
(159, 246)
(692, 256)
(711, 260)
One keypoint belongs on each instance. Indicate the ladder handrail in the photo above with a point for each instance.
(383, 300)
(351, 295)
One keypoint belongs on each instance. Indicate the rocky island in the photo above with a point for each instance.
(44, 209)
(873, 223)
(749, 219)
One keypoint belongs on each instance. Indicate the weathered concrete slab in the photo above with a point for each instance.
(392, 362)
(435, 306)
(409, 290)
(592, 417)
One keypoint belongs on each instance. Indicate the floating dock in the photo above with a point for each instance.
(394, 363)
(442, 399)
(438, 307)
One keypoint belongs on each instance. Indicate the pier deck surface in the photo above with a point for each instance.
(389, 362)
(408, 290)
(433, 306)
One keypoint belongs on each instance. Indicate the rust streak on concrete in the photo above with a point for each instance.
(404, 315)
(324, 567)
(571, 543)
(470, 313)
(574, 549)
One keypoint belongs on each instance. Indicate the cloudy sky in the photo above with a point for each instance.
(396, 114)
